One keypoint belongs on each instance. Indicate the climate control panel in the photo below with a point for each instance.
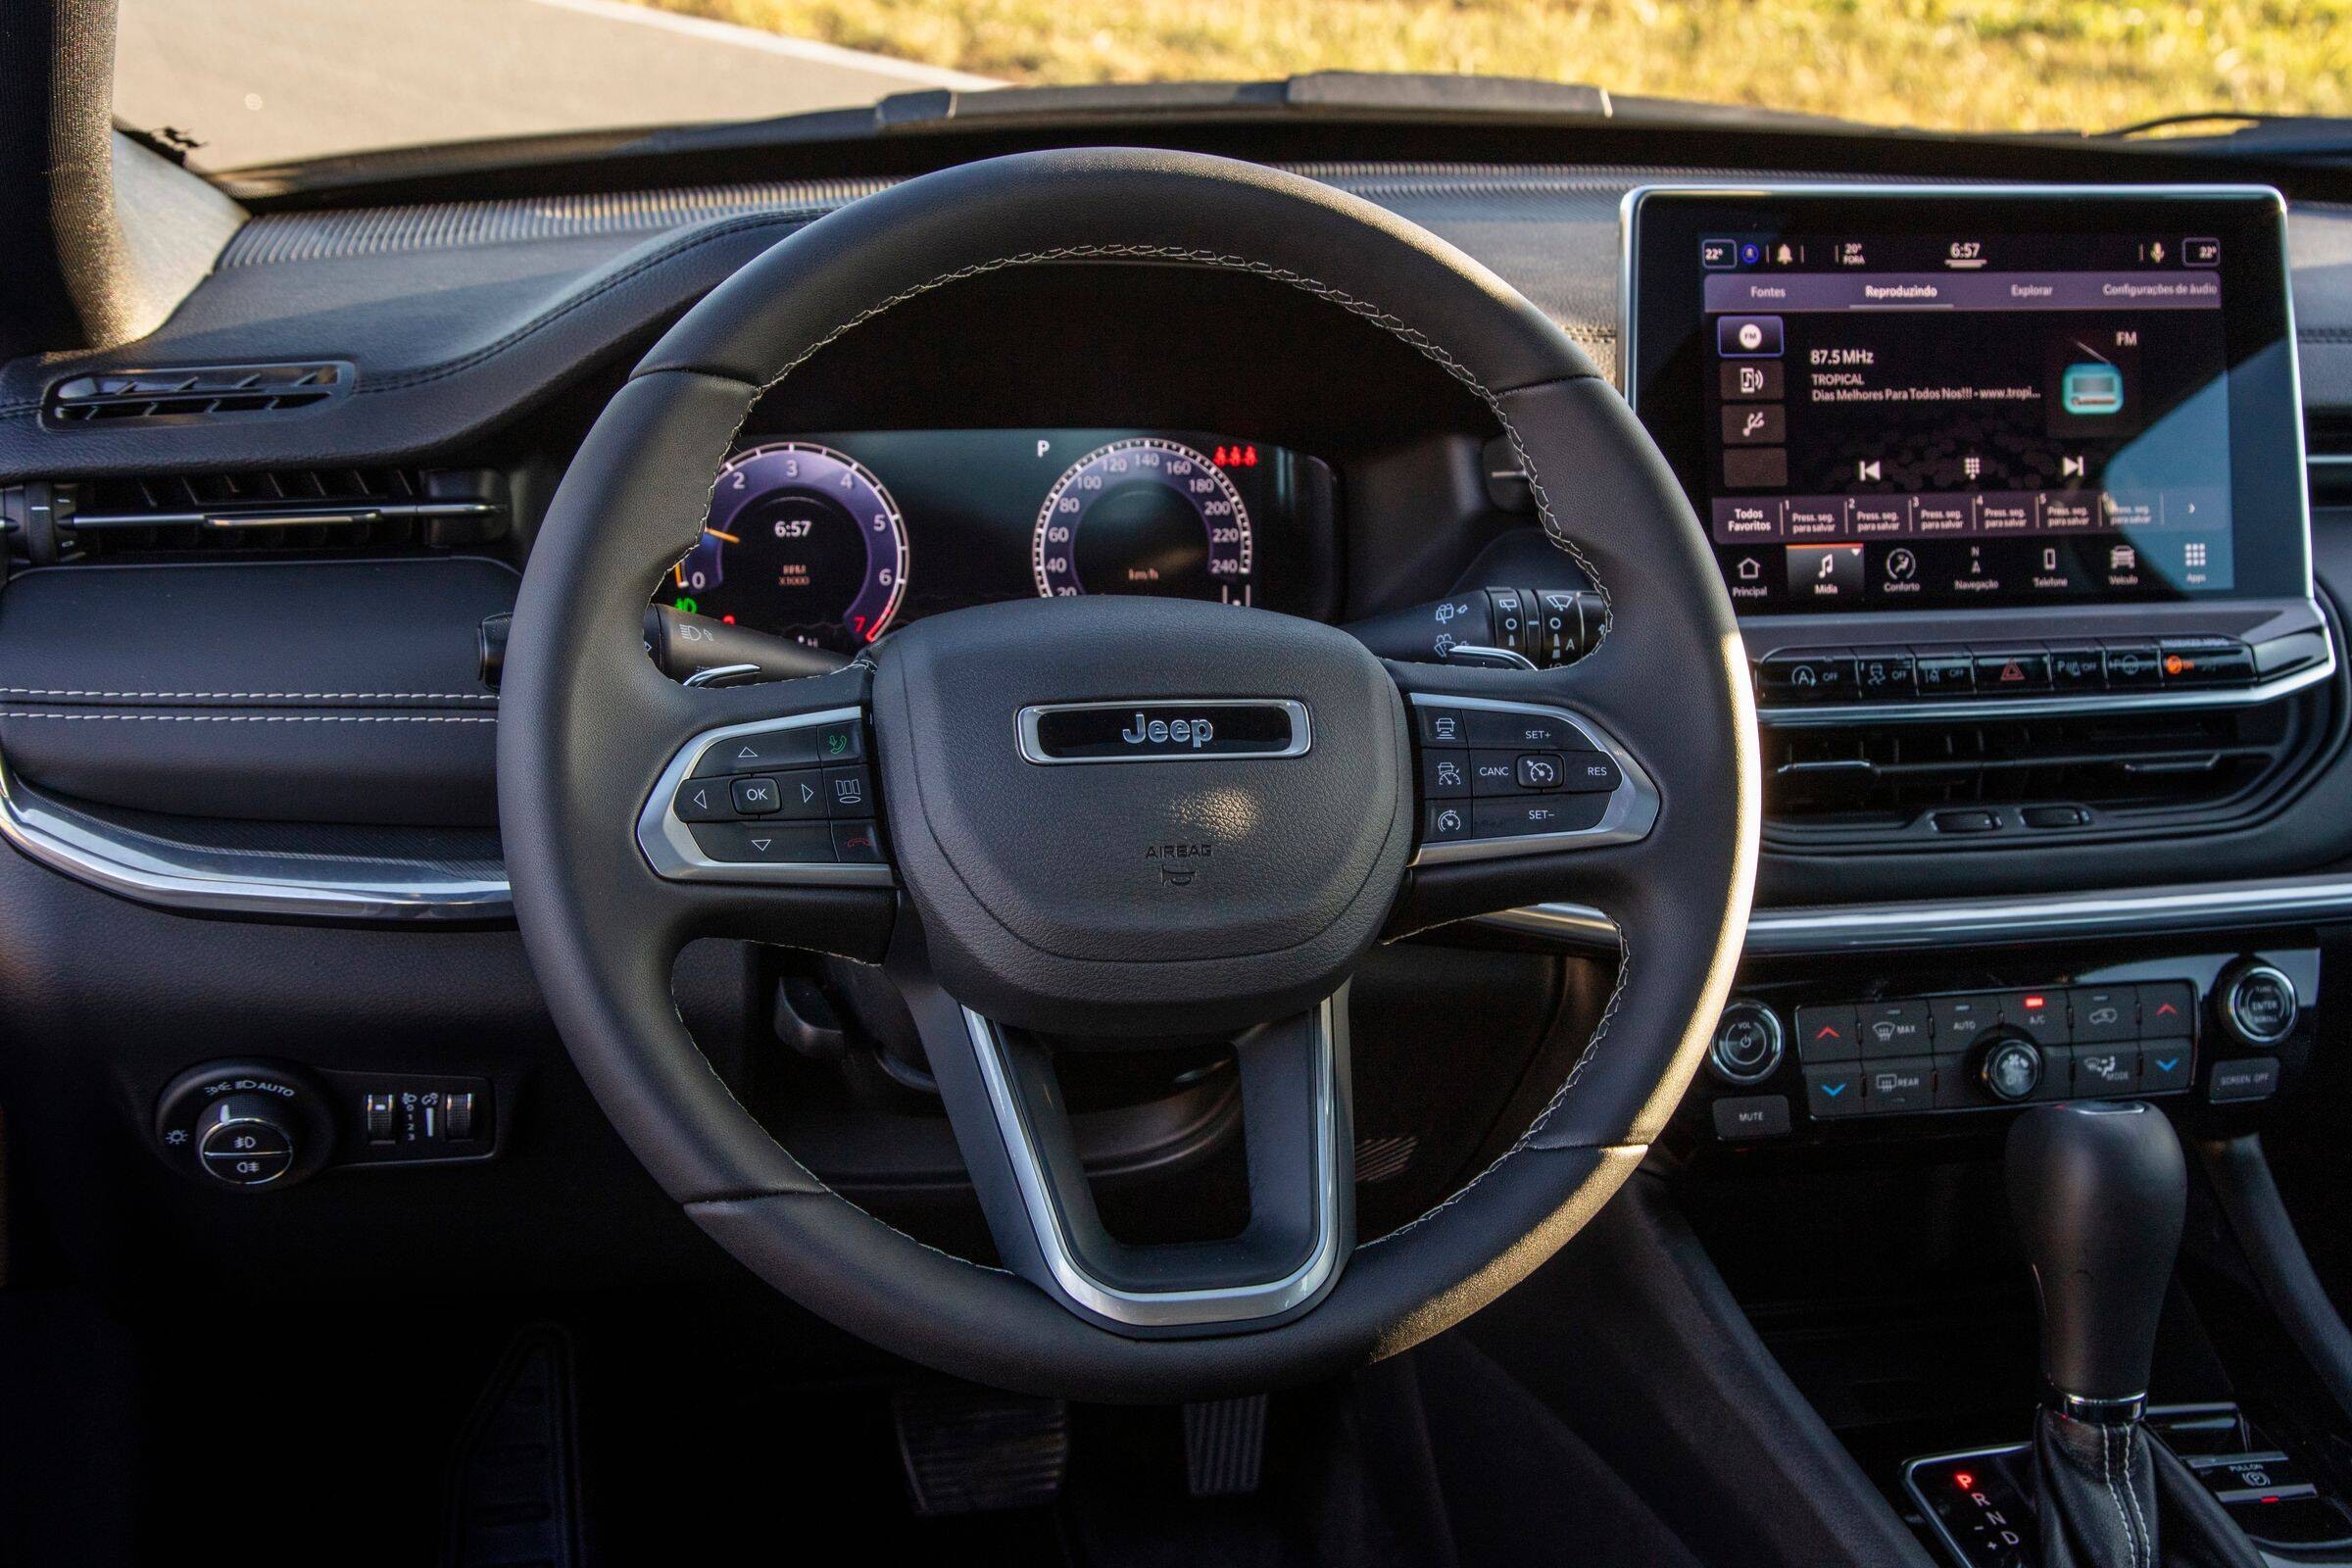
(1808, 1058)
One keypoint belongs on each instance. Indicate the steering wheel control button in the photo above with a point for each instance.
(1542, 732)
(2011, 1070)
(849, 792)
(2254, 1079)
(765, 844)
(1494, 773)
(1587, 771)
(1538, 771)
(1827, 1034)
(1752, 1116)
(1747, 1046)
(857, 843)
(1446, 822)
(2259, 1005)
(1832, 1091)
(703, 799)
(1444, 776)
(754, 797)
(1513, 818)
(1443, 727)
(1892, 1028)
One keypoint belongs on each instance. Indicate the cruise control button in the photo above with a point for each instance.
(754, 797)
(764, 843)
(1892, 1028)
(1445, 776)
(703, 799)
(1827, 1034)
(1493, 772)
(1514, 818)
(1446, 823)
(1532, 732)
(1587, 772)
(1538, 771)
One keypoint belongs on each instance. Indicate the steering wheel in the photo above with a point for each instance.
(1136, 818)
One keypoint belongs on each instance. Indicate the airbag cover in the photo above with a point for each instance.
(1137, 889)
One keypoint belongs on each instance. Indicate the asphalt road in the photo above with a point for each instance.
(269, 80)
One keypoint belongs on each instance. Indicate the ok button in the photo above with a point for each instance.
(755, 797)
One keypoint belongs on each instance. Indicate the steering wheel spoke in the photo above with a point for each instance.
(1012, 1122)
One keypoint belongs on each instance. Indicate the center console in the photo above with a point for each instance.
(1977, 461)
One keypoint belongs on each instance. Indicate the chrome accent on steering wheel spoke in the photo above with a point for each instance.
(1182, 1306)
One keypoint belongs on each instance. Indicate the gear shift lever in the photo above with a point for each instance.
(2098, 1189)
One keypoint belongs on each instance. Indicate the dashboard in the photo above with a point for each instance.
(835, 538)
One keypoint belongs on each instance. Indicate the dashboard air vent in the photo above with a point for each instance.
(182, 394)
(282, 511)
(1886, 785)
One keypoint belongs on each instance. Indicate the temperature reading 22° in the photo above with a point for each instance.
(1144, 515)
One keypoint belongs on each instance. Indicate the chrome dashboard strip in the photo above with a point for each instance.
(201, 877)
(1986, 921)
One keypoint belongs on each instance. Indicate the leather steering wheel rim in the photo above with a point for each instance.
(587, 724)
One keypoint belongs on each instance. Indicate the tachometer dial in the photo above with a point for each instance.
(802, 541)
(1144, 515)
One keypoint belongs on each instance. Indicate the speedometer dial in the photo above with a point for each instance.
(802, 541)
(1144, 515)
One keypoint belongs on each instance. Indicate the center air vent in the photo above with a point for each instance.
(282, 510)
(1886, 785)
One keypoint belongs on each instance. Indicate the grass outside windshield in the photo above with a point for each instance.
(1960, 65)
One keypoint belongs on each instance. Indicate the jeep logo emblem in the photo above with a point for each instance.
(1145, 730)
(1156, 730)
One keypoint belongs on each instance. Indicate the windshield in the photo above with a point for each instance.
(253, 81)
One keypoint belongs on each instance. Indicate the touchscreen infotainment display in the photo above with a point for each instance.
(1879, 403)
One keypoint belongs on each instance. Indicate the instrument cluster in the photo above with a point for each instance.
(833, 539)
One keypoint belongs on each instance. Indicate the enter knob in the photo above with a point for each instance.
(245, 1141)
